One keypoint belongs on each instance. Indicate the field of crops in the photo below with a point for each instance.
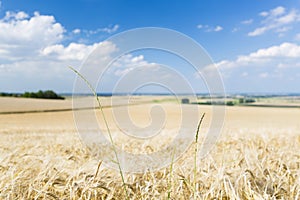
(257, 156)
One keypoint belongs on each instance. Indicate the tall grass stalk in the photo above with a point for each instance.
(171, 175)
(196, 155)
(106, 125)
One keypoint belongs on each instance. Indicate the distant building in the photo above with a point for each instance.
(185, 101)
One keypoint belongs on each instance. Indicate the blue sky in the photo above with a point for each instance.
(255, 44)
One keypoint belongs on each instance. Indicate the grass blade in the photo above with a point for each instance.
(106, 125)
(196, 153)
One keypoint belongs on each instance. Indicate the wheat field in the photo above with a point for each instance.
(257, 156)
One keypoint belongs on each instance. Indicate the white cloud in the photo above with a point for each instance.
(33, 55)
(134, 73)
(218, 28)
(25, 37)
(73, 51)
(199, 26)
(13, 15)
(76, 31)
(264, 14)
(15, 28)
(210, 29)
(112, 30)
(277, 19)
(129, 62)
(285, 50)
(285, 54)
(32, 45)
(62, 55)
(273, 12)
(109, 30)
(258, 31)
(277, 11)
(249, 21)
(270, 69)
(21, 36)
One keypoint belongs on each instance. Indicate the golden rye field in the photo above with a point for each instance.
(257, 156)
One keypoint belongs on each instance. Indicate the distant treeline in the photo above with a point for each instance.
(48, 94)
(240, 101)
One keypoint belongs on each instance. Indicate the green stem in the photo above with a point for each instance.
(106, 125)
(196, 153)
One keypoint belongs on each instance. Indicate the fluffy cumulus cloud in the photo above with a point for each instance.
(73, 51)
(33, 55)
(286, 54)
(129, 63)
(271, 69)
(133, 73)
(278, 19)
(22, 36)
